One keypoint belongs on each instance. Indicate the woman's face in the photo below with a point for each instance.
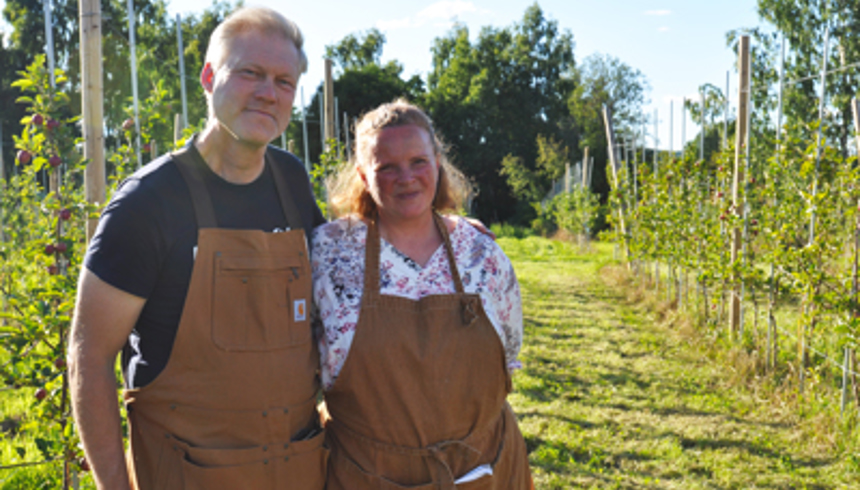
(402, 173)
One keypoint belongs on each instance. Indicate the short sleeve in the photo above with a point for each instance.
(126, 250)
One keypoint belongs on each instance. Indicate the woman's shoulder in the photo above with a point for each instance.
(339, 234)
(469, 241)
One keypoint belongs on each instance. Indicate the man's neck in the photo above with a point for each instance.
(232, 160)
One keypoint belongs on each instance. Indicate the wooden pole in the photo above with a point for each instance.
(329, 104)
(614, 163)
(92, 105)
(585, 180)
(737, 198)
(821, 99)
(772, 332)
(177, 128)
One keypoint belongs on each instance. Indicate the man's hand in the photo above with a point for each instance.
(104, 318)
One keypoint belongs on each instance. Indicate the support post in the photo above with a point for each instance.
(92, 105)
(177, 128)
(182, 71)
(737, 198)
(586, 181)
(329, 104)
(306, 156)
(614, 163)
(132, 45)
(49, 40)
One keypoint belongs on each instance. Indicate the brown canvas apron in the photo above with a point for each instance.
(420, 400)
(236, 403)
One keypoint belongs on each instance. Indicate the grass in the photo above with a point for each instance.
(619, 392)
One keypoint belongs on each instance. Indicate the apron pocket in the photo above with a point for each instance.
(260, 303)
(305, 464)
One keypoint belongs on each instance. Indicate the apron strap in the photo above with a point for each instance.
(288, 205)
(203, 210)
(372, 250)
(449, 250)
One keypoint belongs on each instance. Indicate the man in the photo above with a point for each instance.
(192, 276)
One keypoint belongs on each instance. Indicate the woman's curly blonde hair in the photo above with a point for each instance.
(347, 191)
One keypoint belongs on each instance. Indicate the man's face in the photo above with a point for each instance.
(252, 92)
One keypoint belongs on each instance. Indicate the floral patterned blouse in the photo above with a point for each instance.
(338, 280)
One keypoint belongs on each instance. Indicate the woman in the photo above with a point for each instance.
(415, 364)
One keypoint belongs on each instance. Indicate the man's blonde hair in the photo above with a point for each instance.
(347, 191)
(257, 19)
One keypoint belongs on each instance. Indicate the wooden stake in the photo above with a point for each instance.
(614, 163)
(92, 105)
(177, 129)
(742, 138)
(329, 104)
(585, 180)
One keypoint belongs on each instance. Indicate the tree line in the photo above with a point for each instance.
(512, 102)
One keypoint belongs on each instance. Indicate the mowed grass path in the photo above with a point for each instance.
(609, 398)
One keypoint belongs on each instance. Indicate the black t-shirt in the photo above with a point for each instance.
(147, 233)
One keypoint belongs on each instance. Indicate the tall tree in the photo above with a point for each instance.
(361, 84)
(804, 22)
(604, 80)
(493, 97)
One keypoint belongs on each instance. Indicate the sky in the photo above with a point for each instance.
(678, 45)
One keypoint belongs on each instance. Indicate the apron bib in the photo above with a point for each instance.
(235, 407)
(420, 401)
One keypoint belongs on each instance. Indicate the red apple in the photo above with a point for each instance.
(84, 465)
(55, 161)
(24, 157)
(41, 393)
(53, 123)
(61, 247)
(59, 363)
(65, 214)
(53, 270)
(128, 124)
(50, 249)
(147, 148)
(38, 120)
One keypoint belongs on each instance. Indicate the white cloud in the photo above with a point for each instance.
(658, 12)
(388, 25)
(447, 9)
(663, 29)
(439, 14)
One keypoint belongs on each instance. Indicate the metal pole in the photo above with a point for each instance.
(284, 140)
(671, 128)
(771, 319)
(346, 135)
(726, 115)
(683, 124)
(337, 126)
(322, 120)
(821, 99)
(656, 141)
(846, 366)
(132, 42)
(182, 71)
(49, 40)
(306, 155)
(704, 128)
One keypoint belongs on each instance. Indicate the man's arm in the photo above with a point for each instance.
(104, 318)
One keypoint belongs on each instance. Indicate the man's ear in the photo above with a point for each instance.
(361, 174)
(206, 77)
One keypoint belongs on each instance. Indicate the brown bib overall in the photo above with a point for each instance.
(420, 400)
(235, 407)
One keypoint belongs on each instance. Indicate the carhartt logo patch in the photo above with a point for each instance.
(300, 311)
